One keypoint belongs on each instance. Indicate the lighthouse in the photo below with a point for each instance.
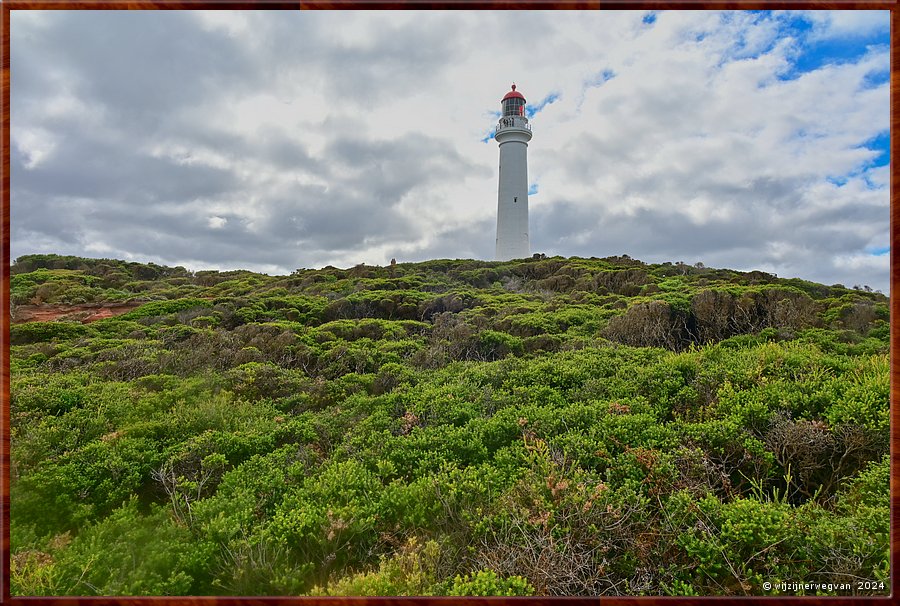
(513, 133)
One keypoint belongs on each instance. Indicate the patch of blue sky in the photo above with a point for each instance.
(745, 47)
(597, 79)
(649, 18)
(879, 251)
(493, 114)
(726, 17)
(813, 52)
(600, 78)
(872, 185)
(877, 78)
(815, 55)
(531, 110)
(789, 22)
(880, 143)
(532, 189)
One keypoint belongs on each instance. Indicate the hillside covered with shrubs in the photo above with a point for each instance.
(544, 426)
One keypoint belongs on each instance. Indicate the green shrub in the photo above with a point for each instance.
(487, 583)
(42, 332)
(162, 308)
(410, 572)
(133, 554)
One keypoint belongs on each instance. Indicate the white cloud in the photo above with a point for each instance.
(847, 23)
(217, 222)
(235, 23)
(35, 144)
(863, 263)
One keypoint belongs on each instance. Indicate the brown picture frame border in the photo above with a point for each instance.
(9, 5)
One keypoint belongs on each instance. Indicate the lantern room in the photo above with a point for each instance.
(513, 103)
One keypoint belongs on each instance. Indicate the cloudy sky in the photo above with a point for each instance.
(277, 140)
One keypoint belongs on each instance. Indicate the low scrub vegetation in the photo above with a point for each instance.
(536, 427)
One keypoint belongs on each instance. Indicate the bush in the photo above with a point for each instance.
(487, 583)
(132, 554)
(42, 332)
(411, 571)
(652, 324)
(493, 345)
(163, 308)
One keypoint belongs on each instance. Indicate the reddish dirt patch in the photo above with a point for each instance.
(88, 312)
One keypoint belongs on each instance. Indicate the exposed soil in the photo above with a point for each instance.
(88, 312)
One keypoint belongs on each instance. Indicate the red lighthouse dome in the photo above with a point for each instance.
(513, 94)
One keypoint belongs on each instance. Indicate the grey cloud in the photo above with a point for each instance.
(137, 65)
(398, 60)
(566, 228)
(407, 60)
(82, 166)
(37, 217)
(862, 214)
(474, 241)
(335, 220)
(398, 165)
(277, 149)
(163, 63)
(182, 234)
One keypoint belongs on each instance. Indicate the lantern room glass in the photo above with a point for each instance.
(513, 107)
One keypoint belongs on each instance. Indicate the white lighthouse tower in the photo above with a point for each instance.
(513, 134)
